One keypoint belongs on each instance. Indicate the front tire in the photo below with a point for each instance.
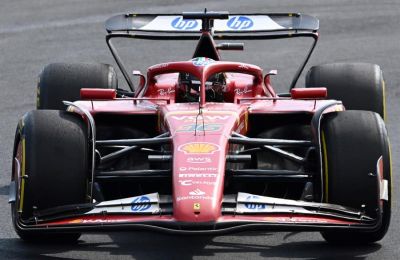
(50, 168)
(353, 142)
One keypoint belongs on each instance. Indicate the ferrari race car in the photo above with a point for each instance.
(204, 145)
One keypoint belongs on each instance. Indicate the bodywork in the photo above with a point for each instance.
(252, 161)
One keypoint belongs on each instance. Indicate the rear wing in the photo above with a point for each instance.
(236, 26)
(219, 25)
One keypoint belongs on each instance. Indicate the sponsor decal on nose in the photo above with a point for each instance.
(196, 207)
(197, 175)
(197, 192)
(199, 148)
(196, 182)
(198, 160)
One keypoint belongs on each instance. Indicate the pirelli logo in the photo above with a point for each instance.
(197, 175)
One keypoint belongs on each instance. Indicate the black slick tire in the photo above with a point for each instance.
(360, 86)
(352, 144)
(63, 81)
(50, 169)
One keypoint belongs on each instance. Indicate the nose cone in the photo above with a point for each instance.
(200, 143)
(198, 181)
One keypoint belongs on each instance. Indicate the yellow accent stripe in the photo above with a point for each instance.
(384, 99)
(21, 201)
(325, 162)
(390, 174)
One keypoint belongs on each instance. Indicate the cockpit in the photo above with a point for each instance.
(189, 88)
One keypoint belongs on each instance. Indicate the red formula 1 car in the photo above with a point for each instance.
(204, 146)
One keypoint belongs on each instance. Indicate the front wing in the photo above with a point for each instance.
(240, 212)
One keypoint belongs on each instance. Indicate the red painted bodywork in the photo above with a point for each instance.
(97, 93)
(199, 149)
(308, 93)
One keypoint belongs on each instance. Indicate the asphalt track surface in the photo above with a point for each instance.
(35, 33)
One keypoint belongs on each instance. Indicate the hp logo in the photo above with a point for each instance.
(240, 23)
(183, 24)
(254, 206)
(141, 207)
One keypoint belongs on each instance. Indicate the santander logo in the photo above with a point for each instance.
(197, 192)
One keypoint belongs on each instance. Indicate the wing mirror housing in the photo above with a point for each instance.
(309, 93)
(98, 93)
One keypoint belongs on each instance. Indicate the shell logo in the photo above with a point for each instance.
(198, 148)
